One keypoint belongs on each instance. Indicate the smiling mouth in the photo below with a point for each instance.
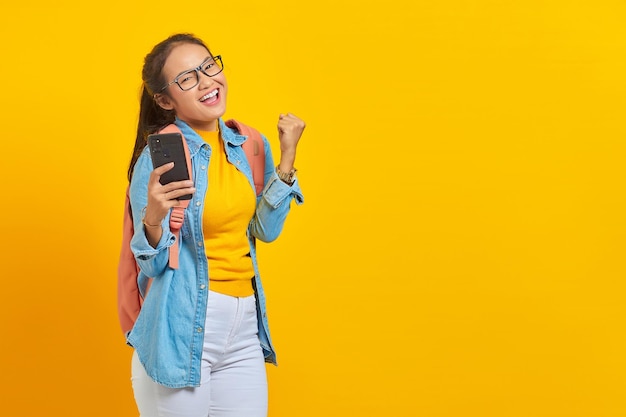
(209, 96)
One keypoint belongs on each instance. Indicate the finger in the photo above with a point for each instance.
(156, 173)
(286, 122)
(165, 190)
(163, 168)
(173, 196)
(176, 189)
(171, 186)
(291, 118)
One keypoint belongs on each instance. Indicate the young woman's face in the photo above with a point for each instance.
(201, 105)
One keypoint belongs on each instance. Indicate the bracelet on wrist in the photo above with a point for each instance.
(148, 224)
(287, 177)
(143, 219)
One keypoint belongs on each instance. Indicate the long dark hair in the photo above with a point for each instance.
(153, 117)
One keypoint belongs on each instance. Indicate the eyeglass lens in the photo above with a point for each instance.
(190, 79)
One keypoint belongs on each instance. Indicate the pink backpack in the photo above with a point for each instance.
(129, 299)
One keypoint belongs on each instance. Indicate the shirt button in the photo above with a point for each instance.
(199, 243)
(202, 286)
(198, 203)
(199, 329)
(203, 167)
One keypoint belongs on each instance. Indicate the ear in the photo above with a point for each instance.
(163, 101)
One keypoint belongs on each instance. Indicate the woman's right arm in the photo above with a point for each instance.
(151, 203)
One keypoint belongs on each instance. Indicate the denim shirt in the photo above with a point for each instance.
(169, 332)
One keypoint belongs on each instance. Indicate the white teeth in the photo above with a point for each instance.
(208, 96)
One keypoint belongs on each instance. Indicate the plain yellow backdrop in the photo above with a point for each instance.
(460, 252)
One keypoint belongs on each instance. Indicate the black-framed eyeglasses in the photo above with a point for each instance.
(189, 79)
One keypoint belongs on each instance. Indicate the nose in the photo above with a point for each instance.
(204, 80)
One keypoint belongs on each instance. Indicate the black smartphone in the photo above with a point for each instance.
(165, 148)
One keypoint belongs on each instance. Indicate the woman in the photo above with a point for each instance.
(202, 337)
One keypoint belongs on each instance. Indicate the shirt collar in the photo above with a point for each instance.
(230, 136)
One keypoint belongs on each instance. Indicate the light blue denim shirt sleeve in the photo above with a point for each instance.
(274, 203)
(151, 261)
(168, 334)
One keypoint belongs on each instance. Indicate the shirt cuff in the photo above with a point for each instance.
(277, 191)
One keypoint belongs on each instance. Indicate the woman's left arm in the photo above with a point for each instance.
(274, 202)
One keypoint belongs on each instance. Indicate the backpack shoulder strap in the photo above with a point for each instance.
(177, 216)
(255, 152)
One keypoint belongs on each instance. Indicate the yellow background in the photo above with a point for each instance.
(461, 249)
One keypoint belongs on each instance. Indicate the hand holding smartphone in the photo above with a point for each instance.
(165, 148)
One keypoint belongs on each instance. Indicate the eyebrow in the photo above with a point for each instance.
(189, 70)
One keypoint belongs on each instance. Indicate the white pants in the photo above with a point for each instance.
(233, 379)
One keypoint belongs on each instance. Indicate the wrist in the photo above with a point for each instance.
(287, 157)
(149, 223)
(288, 150)
(146, 224)
(288, 177)
(286, 163)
